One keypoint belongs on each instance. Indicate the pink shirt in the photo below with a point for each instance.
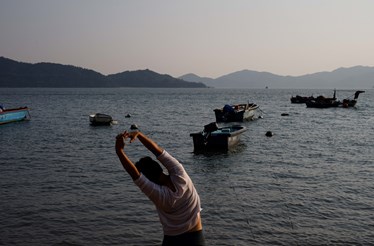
(178, 211)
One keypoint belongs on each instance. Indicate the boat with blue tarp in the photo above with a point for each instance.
(236, 112)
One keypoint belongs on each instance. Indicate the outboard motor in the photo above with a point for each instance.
(208, 129)
(200, 139)
(211, 127)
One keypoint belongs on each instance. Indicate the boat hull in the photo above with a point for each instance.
(223, 139)
(322, 102)
(316, 104)
(348, 103)
(14, 115)
(243, 112)
(100, 119)
(301, 99)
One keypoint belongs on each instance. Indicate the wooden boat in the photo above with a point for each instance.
(14, 114)
(213, 138)
(235, 113)
(99, 119)
(301, 99)
(346, 103)
(323, 102)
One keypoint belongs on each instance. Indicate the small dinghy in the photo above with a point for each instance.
(13, 114)
(213, 138)
(100, 119)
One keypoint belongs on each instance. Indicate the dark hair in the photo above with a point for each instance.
(150, 168)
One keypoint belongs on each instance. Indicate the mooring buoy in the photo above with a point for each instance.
(134, 127)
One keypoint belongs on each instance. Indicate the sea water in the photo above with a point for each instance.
(311, 183)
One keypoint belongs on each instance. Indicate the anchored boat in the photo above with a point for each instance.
(235, 113)
(14, 114)
(301, 99)
(323, 102)
(213, 138)
(99, 119)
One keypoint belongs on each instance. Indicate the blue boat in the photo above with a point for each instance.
(213, 138)
(14, 114)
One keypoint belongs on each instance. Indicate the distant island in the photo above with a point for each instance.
(21, 74)
(358, 77)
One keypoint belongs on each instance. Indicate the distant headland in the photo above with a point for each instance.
(357, 77)
(21, 74)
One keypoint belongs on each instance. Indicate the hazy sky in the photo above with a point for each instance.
(207, 37)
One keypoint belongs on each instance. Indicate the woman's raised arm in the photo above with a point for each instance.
(146, 141)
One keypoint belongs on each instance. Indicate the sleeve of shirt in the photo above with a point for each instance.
(170, 163)
(153, 191)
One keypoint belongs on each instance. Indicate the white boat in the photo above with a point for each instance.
(236, 113)
(100, 119)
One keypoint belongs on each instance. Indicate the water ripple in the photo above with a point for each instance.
(310, 184)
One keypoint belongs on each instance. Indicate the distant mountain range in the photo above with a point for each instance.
(20, 74)
(358, 77)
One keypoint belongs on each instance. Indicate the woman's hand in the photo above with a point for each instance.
(120, 141)
(132, 135)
